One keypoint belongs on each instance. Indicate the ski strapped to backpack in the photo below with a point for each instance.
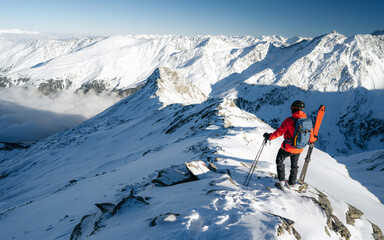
(302, 133)
(319, 119)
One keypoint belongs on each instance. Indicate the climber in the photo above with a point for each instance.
(297, 131)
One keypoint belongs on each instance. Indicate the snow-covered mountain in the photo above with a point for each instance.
(121, 174)
(378, 32)
(266, 73)
(331, 62)
(120, 62)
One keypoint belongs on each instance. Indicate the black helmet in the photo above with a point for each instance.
(298, 104)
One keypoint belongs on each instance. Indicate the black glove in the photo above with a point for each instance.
(266, 136)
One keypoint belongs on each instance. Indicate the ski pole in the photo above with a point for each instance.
(253, 167)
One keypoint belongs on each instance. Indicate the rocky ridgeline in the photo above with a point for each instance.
(134, 197)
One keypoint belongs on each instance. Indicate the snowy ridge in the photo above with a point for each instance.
(117, 61)
(378, 32)
(331, 62)
(103, 178)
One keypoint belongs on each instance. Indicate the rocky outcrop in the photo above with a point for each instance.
(7, 146)
(172, 176)
(91, 223)
(333, 223)
(352, 214)
(173, 88)
(52, 85)
(80, 229)
(286, 225)
(377, 233)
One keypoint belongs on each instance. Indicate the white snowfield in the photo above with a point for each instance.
(121, 174)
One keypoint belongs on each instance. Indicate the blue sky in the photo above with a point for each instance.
(287, 18)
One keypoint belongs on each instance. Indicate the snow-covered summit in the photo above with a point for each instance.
(378, 32)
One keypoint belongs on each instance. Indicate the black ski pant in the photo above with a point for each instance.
(281, 156)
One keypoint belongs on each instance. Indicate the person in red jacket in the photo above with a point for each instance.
(287, 129)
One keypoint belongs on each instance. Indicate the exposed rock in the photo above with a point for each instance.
(51, 86)
(129, 91)
(106, 207)
(82, 228)
(91, 223)
(378, 32)
(173, 175)
(11, 146)
(98, 86)
(130, 201)
(276, 97)
(374, 162)
(5, 82)
(377, 233)
(200, 118)
(287, 225)
(4, 175)
(213, 168)
(363, 130)
(333, 223)
(352, 214)
(171, 81)
(327, 231)
(8, 82)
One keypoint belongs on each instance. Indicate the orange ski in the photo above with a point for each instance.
(319, 118)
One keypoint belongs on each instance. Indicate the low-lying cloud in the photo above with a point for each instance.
(28, 116)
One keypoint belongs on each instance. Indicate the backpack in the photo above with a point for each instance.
(301, 133)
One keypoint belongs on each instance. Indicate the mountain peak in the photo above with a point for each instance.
(378, 32)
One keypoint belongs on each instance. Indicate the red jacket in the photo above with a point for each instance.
(288, 128)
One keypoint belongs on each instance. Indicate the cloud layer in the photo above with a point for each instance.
(28, 116)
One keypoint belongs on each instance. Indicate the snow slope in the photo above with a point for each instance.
(120, 158)
(367, 168)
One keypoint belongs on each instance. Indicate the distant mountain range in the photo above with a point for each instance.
(343, 73)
